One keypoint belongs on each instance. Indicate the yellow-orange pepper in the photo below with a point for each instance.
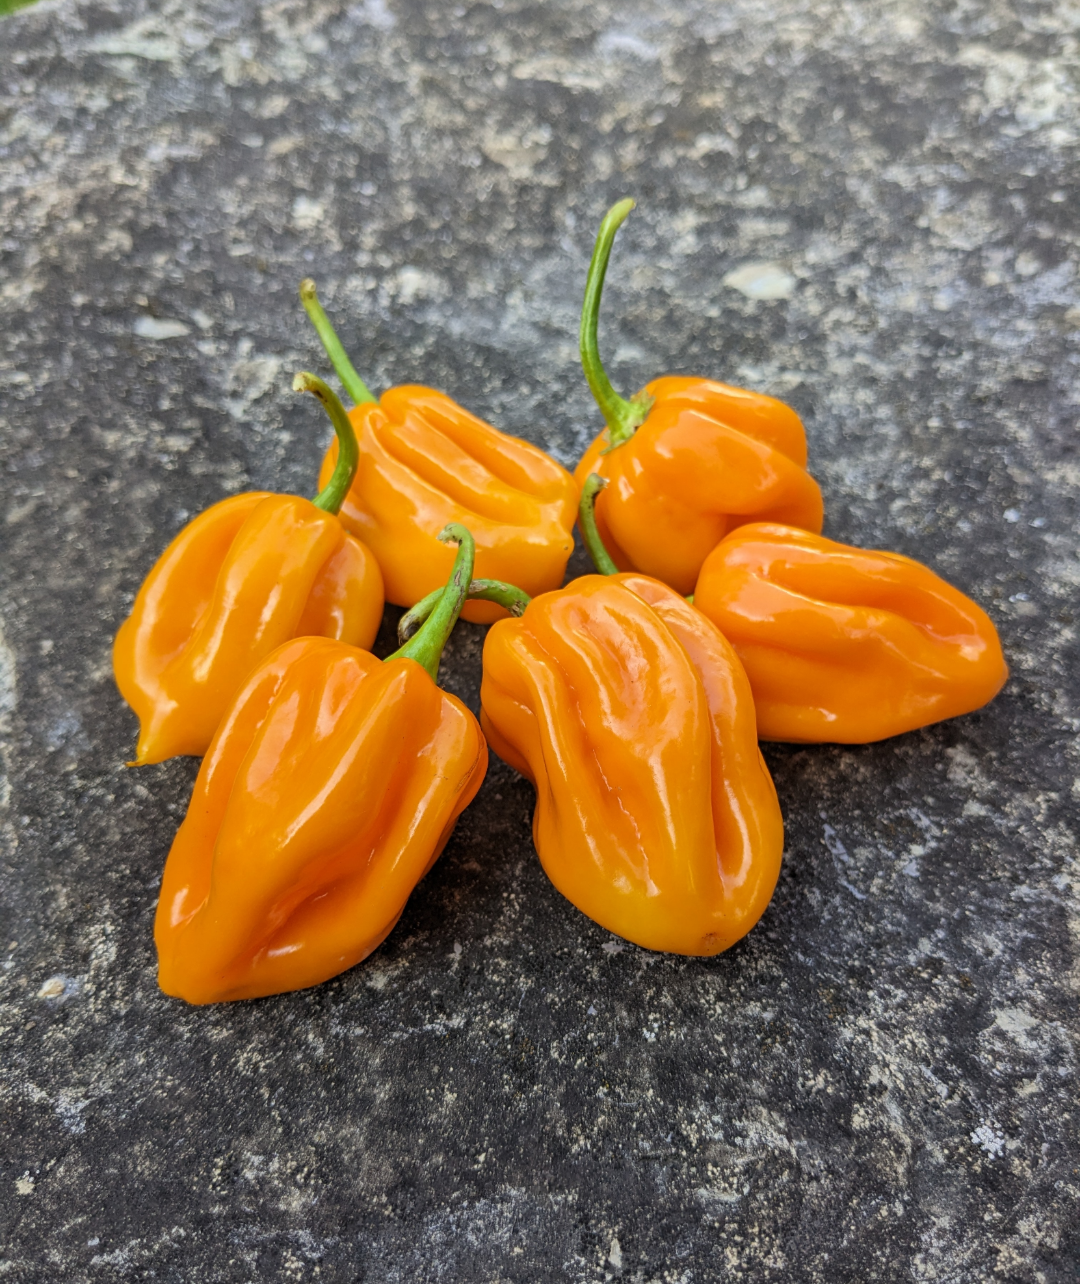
(846, 644)
(688, 459)
(426, 461)
(238, 581)
(329, 790)
(631, 714)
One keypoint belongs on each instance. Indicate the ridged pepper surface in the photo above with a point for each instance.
(239, 580)
(426, 461)
(655, 813)
(688, 459)
(846, 644)
(329, 790)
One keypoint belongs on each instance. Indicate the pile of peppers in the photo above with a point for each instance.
(634, 699)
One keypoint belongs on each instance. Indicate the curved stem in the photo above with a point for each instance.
(332, 495)
(416, 615)
(350, 380)
(508, 596)
(594, 484)
(427, 644)
(621, 416)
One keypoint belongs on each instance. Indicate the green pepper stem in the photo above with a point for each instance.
(350, 380)
(594, 484)
(426, 646)
(621, 416)
(508, 596)
(332, 495)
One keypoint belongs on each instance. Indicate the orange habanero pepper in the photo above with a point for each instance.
(688, 459)
(425, 461)
(631, 714)
(330, 788)
(846, 644)
(238, 581)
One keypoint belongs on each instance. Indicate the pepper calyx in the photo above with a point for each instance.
(641, 402)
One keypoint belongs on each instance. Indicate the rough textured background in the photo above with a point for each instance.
(880, 1083)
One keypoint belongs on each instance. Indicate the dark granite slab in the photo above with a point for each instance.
(880, 1083)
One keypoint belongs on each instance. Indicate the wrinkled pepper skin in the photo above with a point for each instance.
(655, 813)
(329, 791)
(846, 644)
(425, 461)
(706, 459)
(245, 576)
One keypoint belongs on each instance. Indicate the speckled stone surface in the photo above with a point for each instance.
(880, 1082)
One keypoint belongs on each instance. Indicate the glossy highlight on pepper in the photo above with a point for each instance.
(330, 789)
(239, 580)
(846, 644)
(688, 459)
(426, 461)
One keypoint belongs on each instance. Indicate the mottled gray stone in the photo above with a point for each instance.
(880, 1082)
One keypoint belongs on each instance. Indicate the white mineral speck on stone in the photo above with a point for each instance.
(152, 328)
(7, 680)
(307, 213)
(376, 13)
(761, 281)
(987, 1139)
(1015, 1021)
(615, 1254)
